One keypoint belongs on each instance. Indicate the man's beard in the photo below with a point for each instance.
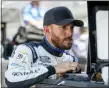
(59, 43)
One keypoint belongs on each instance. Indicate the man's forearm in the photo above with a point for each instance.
(36, 23)
(21, 78)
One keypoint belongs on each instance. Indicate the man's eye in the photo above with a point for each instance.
(72, 27)
(64, 27)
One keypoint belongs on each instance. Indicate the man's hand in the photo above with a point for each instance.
(65, 67)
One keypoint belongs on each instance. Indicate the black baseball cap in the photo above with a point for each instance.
(60, 16)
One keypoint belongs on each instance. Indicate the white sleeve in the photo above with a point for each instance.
(20, 72)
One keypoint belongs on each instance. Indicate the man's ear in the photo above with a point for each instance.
(46, 29)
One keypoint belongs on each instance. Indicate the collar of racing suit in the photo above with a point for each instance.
(52, 50)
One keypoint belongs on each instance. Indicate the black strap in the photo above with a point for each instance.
(31, 45)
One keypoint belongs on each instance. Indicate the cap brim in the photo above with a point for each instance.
(78, 23)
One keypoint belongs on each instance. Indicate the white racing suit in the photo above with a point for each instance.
(31, 63)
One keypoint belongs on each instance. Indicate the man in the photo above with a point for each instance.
(31, 63)
(33, 15)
